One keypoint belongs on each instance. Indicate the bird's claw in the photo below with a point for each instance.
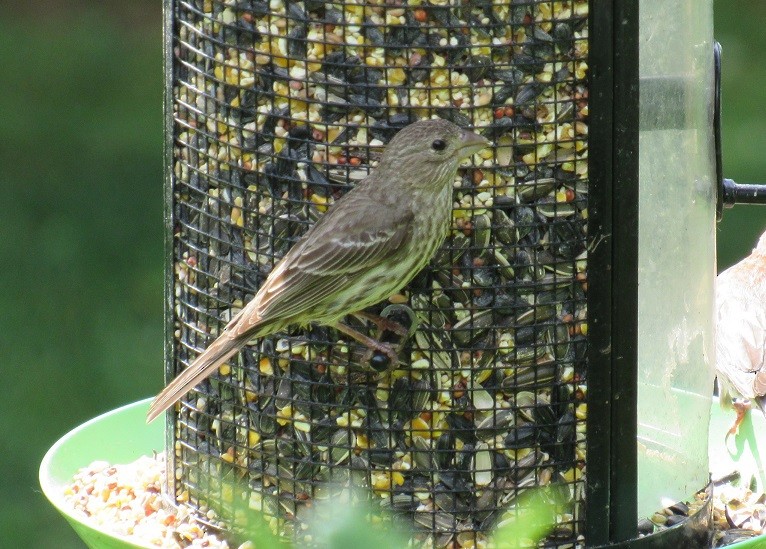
(375, 348)
(384, 324)
(741, 408)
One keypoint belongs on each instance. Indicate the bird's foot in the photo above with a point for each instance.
(741, 407)
(380, 354)
(383, 324)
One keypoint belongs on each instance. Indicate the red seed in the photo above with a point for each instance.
(420, 15)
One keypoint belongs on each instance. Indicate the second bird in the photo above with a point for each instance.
(367, 246)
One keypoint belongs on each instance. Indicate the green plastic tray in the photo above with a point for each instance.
(119, 436)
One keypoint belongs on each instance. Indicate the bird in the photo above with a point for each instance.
(369, 244)
(740, 302)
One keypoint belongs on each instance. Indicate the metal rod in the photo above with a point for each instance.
(743, 193)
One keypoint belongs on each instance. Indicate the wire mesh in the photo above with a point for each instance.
(280, 107)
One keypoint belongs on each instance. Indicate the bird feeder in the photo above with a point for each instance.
(559, 343)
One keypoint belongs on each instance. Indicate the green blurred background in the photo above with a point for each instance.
(81, 220)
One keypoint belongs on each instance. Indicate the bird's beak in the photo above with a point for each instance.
(471, 143)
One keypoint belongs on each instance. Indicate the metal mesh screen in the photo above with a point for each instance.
(279, 107)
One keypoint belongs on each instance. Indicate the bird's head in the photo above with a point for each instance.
(434, 148)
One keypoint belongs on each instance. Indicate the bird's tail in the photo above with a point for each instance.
(205, 364)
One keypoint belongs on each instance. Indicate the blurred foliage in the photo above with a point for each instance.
(80, 238)
(81, 233)
(534, 521)
(348, 521)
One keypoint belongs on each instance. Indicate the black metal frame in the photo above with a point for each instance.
(612, 272)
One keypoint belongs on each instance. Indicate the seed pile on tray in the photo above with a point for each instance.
(125, 500)
(739, 514)
(279, 108)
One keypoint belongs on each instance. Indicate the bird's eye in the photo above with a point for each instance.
(439, 145)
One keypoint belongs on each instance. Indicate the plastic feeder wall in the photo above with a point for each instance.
(560, 341)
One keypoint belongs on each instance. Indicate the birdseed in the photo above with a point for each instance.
(739, 514)
(125, 500)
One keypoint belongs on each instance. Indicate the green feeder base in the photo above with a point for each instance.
(122, 436)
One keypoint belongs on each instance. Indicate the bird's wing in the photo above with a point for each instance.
(741, 342)
(328, 257)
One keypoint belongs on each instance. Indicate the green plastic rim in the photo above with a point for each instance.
(119, 436)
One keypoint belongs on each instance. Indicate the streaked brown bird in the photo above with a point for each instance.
(368, 245)
(741, 334)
